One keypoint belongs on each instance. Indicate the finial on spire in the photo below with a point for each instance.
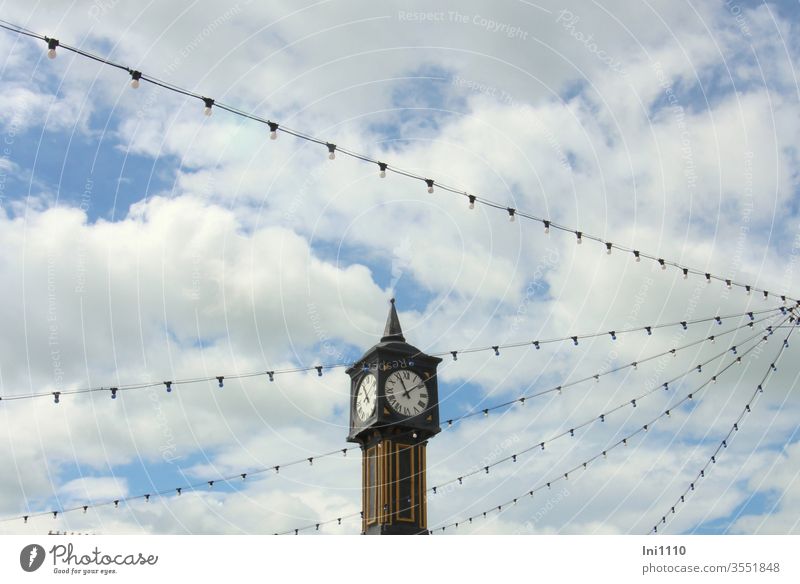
(393, 330)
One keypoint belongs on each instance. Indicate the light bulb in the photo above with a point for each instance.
(382, 166)
(546, 227)
(578, 234)
(637, 256)
(685, 274)
(429, 182)
(135, 76)
(209, 103)
(273, 130)
(219, 379)
(472, 201)
(608, 248)
(511, 213)
(51, 48)
(135, 83)
(331, 151)
(663, 264)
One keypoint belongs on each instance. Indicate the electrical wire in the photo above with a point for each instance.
(384, 167)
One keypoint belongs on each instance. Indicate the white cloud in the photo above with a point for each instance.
(266, 254)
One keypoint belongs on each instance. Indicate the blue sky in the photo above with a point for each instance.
(175, 246)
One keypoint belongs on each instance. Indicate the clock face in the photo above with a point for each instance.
(406, 392)
(365, 397)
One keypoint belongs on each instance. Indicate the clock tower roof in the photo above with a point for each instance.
(393, 331)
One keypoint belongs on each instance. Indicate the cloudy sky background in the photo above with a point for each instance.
(141, 240)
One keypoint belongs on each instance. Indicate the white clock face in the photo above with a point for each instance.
(365, 397)
(406, 392)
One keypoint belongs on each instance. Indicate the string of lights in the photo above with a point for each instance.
(136, 77)
(602, 455)
(596, 377)
(541, 445)
(633, 402)
(169, 385)
(725, 442)
(309, 460)
(178, 491)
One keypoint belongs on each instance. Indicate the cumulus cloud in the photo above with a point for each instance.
(657, 127)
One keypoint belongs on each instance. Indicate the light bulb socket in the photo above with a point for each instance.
(51, 48)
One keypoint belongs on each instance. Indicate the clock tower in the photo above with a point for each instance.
(394, 410)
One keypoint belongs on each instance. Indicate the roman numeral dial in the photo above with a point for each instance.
(406, 393)
(366, 397)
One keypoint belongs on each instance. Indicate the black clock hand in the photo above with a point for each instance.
(405, 390)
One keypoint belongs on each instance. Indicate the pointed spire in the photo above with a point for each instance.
(393, 331)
